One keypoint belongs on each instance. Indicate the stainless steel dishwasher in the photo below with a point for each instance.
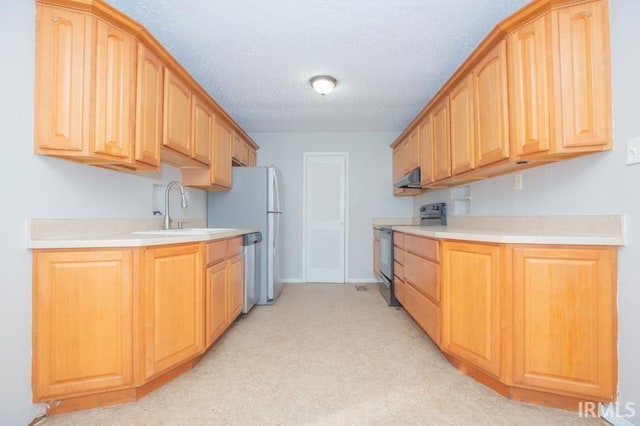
(252, 259)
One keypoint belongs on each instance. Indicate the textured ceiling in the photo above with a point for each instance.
(256, 57)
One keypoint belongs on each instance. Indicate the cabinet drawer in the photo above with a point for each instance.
(423, 311)
(423, 247)
(398, 239)
(216, 251)
(399, 290)
(235, 246)
(398, 255)
(423, 274)
(398, 270)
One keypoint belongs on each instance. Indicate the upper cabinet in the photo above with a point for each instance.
(149, 101)
(85, 69)
(203, 122)
(560, 84)
(462, 138)
(244, 151)
(583, 74)
(441, 133)
(217, 177)
(177, 114)
(114, 99)
(529, 88)
(490, 112)
(536, 90)
(412, 151)
(406, 157)
(426, 151)
(108, 94)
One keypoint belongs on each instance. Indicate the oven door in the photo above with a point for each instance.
(386, 266)
(386, 253)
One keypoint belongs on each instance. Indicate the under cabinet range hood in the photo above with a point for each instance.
(410, 180)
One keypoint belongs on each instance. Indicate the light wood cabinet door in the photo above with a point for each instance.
(236, 286)
(148, 107)
(62, 83)
(426, 151)
(216, 301)
(530, 77)
(244, 156)
(114, 94)
(252, 157)
(441, 141)
(82, 322)
(203, 128)
(565, 324)
(237, 147)
(173, 306)
(584, 75)
(462, 134)
(412, 151)
(490, 107)
(397, 163)
(471, 293)
(177, 114)
(222, 152)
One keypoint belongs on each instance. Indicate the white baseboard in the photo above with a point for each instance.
(292, 281)
(612, 417)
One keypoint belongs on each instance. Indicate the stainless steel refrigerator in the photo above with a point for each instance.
(254, 202)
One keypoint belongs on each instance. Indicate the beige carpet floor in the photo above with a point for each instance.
(324, 355)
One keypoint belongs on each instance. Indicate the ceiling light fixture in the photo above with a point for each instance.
(323, 84)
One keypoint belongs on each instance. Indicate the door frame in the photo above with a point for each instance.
(307, 155)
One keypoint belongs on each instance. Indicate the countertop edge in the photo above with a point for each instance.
(512, 237)
(131, 240)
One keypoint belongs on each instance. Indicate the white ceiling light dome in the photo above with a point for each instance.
(323, 84)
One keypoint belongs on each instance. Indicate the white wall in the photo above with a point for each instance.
(596, 184)
(37, 186)
(370, 190)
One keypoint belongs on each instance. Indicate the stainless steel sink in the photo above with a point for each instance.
(184, 231)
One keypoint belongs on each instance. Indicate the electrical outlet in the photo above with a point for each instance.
(633, 151)
(517, 181)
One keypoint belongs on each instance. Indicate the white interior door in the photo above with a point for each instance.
(325, 191)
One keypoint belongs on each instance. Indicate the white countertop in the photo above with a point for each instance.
(94, 233)
(601, 230)
(129, 240)
(510, 236)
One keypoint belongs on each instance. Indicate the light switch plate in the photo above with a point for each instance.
(633, 151)
(517, 181)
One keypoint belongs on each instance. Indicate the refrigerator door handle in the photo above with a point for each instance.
(277, 192)
(277, 233)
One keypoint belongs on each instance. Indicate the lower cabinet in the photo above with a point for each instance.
(224, 286)
(565, 328)
(110, 325)
(417, 280)
(217, 316)
(236, 286)
(535, 322)
(82, 322)
(173, 306)
(472, 281)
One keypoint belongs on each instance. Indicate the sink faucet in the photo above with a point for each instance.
(167, 217)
